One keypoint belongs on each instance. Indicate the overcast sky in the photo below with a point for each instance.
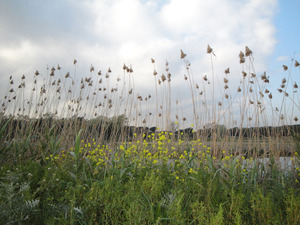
(108, 33)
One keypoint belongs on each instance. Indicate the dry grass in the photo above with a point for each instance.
(101, 99)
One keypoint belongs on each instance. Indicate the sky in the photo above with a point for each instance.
(109, 33)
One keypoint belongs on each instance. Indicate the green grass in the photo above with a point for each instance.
(148, 182)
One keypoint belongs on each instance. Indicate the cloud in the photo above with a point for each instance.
(109, 33)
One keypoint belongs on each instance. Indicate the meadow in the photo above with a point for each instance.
(92, 150)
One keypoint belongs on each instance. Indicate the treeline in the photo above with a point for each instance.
(117, 128)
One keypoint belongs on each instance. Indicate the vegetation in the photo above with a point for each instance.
(83, 151)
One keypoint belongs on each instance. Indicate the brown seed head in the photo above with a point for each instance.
(182, 55)
(270, 96)
(209, 49)
(285, 68)
(152, 60)
(225, 80)
(297, 63)
(130, 69)
(295, 85)
(92, 68)
(241, 55)
(227, 71)
(248, 51)
(261, 94)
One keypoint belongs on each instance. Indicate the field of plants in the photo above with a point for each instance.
(92, 150)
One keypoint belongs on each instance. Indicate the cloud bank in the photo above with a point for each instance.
(108, 33)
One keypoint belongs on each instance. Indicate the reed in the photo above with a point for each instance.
(93, 150)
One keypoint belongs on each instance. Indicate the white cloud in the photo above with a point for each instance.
(133, 31)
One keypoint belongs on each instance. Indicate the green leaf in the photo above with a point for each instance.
(77, 145)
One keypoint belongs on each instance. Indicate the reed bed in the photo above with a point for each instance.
(92, 150)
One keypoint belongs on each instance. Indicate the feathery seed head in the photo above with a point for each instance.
(182, 55)
(248, 51)
(209, 49)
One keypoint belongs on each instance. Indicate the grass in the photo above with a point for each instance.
(81, 151)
